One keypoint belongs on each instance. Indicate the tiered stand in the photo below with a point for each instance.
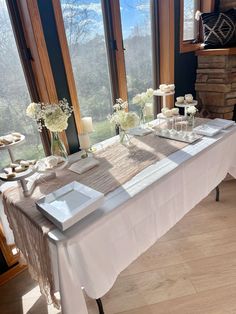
(159, 93)
(186, 105)
(20, 177)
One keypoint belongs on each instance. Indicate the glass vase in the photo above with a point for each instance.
(191, 121)
(124, 137)
(57, 146)
(141, 118)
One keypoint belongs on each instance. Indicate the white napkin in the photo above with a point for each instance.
(84, 165)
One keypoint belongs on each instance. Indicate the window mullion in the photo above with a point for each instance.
(155, 54)
(119, 52)
(111, 46)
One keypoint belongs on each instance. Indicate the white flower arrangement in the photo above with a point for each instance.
(143, 98)
(192, 110)
(122, 119)
(52, 116)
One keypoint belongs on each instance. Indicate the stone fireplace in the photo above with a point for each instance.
(216, 83)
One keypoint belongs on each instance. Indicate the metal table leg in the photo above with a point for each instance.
(217, 193)
(100, 306)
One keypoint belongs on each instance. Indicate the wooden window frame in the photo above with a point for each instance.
(188, 45)
(167, 44)
(26, 61)
(34, 56)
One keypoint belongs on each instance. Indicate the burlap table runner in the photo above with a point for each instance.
(118, 164)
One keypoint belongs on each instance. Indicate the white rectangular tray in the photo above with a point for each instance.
(186, 139)
(69, 204)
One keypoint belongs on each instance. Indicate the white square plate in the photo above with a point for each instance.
(69, 204)
(207, 130)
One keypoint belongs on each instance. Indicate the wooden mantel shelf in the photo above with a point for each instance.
(216, 52)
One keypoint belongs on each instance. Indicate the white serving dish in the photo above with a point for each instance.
(188, 138)
(158, 92)
(19, 176)
(69, 204)
(8, 146)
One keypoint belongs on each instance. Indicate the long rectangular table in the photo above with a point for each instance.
(94, 251)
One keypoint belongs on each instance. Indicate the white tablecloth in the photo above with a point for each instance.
(94, 251)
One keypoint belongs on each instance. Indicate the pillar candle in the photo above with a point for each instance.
(87, 123)
(84, 141)
(148, 109)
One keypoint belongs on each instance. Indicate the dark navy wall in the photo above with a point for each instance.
(185, 63)
(58, 69)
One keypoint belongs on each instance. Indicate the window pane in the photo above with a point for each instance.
(190, 24)
(83, 21)
(136, 29)
(14, 96)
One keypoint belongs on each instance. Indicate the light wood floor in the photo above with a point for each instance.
(191, 270)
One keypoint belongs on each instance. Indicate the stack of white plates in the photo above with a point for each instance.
(221, 123)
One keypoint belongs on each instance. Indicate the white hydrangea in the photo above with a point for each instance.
(129, 120)
(52, 116)
(56, 120)
(192, 110)
(121, 118)
(143, 98)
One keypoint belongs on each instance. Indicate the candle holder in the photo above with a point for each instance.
(86, 160)
(84, 144)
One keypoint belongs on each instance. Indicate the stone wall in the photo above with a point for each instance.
(227, 4)
(216, 85)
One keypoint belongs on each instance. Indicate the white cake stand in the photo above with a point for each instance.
(158, 92)
(20, 177)
(12, 145)
(186, 105)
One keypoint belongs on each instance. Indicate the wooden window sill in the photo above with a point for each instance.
(188, 47)
(217, 52)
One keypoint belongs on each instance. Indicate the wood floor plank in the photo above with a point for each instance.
(147, 288)
(212, 272)
(199, 246)
(216, 301)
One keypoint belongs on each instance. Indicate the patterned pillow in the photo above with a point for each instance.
(219, 29)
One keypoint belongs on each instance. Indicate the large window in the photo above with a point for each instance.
(86, 37)
(191, 25)
(84, 28)
(136, 29)
(14, 96)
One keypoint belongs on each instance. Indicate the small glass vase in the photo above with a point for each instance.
(141, 118)
(57, 146)
(191, 121)
(124, 137)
